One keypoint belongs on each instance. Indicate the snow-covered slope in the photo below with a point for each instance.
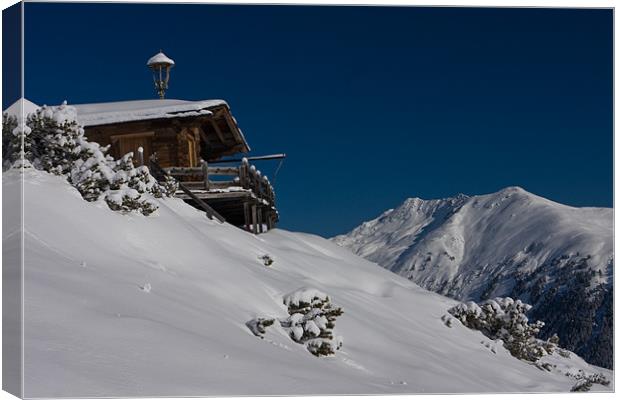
(512, 242)
(127, 305)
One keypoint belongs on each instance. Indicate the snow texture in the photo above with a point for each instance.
(91, 328)
(125, 111)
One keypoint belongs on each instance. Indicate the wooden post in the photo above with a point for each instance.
(243, 174)
(205, 174)
(246, 215)
(260, 219)
(259, 185)
(254, 220)
(141, 155)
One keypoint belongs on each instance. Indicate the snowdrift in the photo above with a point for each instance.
(128, 305)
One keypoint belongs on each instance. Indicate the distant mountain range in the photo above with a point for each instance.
(510, 243)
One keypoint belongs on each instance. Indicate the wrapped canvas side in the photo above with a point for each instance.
(12, 207)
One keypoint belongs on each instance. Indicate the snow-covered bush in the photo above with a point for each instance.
(11, 141)
(53, 141)
(266, 259)
(505, 319)
(137, 178)
(16, 139)
(258, 326)
(93, 171)
(311, 321)
(585, 381)
(55, 138)
(167, 188)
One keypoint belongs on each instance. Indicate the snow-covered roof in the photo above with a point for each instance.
(96, 114)
(21, 107)
(139, 110)
(160, 58)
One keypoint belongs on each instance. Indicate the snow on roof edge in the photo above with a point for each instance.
(95, 114)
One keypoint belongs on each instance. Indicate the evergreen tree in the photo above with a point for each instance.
(15, 142)
(53, 141)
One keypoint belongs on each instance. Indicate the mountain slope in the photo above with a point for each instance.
(509, 243)
(127, 305)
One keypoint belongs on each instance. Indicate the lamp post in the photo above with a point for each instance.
(160, 66)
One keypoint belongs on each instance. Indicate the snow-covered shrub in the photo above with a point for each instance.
(322, 347)
(585, 381)
(505, 319)
(167, 188)
(447, 320)
(563, 353)
(544, 366)
(92, 172)
(258, 326)
(311, 321)
(266, 259)
(53, 141)
(16, 138)
(55, 138)
(11, 146)
(551, 345)
(128, 199)
(128, 185)
(137, 178)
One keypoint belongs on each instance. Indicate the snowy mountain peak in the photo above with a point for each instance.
(513, 189)
(507, 243)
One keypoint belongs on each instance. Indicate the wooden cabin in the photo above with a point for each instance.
(183, 138)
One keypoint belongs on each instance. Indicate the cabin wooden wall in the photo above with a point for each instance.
(177, 142)
(188, 147)
(165, 145)
(174, 145)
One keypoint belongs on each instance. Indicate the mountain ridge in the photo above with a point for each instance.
(511, 242)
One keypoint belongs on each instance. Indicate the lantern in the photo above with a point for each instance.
(160, 65)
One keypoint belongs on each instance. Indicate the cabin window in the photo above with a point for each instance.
(124, 144)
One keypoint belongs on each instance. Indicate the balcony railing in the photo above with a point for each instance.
(244, 177)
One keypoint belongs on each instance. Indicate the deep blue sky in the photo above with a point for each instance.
(372, 105)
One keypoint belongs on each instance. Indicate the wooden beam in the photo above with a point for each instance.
(183, 170)
(235, 130)
(254, 220)
(204, 136)
(205, 174)
(132, 135)
(246, 215)
(222, 184)
(219, 133)
(213, 196)
(244, 174)
(224, 171)
(260, 219)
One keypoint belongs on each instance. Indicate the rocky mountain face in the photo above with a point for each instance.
(510, 243)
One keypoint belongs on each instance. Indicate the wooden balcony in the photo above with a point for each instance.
(239, 194)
